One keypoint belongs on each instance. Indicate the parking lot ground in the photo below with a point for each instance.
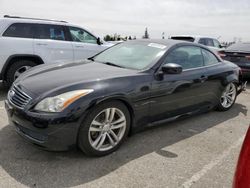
(200, 151)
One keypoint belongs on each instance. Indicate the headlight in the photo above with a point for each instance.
(60, 102)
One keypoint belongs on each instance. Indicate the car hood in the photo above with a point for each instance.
(45, 78)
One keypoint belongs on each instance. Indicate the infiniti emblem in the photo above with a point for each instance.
(12, 93)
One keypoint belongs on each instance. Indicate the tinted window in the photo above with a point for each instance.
(79, 35)
(187, 56)
(203, 41)
(209, 58)
(209, 42)
(21, 30)
(54, 32)
(216, 43)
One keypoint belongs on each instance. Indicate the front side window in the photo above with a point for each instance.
(187, 56)
(209, 58)
(216, 43)
(20, 30)
(132, 55)
(53, 32)
(79, 35)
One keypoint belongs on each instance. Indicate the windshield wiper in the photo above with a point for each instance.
(91, 59)
(113, 64)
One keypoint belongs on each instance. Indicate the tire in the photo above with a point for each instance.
(89, 140)
(224, 106)
(21, 65)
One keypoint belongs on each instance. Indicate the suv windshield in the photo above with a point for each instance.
(132, 55)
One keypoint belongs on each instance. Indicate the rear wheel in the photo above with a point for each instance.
(228, 97)
(104, 129)
(16, 69)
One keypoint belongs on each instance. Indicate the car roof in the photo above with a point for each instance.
(27, 20)
(166, 42)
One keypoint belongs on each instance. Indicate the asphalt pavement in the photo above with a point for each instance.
(200, 151)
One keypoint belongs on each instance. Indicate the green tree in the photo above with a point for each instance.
(107, 38)
(146, 35)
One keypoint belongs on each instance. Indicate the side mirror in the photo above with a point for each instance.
(171, 68)
(98, 41)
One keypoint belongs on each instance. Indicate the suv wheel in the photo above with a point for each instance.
(16, 69)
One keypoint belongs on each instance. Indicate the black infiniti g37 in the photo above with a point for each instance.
(96, 103)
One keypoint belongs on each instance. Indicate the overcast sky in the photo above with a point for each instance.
(225, 18)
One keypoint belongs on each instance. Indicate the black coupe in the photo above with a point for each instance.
(96, 103)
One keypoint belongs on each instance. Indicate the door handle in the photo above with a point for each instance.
(41, 44)
(79, 46)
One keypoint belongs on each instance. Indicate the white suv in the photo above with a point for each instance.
(27, 42)
(211, 43)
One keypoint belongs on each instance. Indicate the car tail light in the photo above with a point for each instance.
(248, 57)
(242, 174)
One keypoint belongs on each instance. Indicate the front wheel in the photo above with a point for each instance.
(228, 97)
(104, 129)
(16, 69)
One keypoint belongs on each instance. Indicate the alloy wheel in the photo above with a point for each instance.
(20, 71)
(107, 129)
(228, 96)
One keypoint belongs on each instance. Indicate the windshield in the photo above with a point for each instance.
(132, 55)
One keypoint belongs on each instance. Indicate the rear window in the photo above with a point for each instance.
(21, 30)
(54, 32)
(188, 39)
(245, 47)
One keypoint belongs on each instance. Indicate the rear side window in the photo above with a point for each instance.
(53, 32)
(203, 41)
(206, 42)
(20, 30)
(210, 42)
(209, 58)
(187, 56)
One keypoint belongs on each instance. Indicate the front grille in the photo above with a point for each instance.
(18, 98)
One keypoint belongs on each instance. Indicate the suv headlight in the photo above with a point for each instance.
(62, 101)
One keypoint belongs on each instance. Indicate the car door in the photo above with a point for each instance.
(51, 44)
(84, 44)
(177, 94)
(215, 73)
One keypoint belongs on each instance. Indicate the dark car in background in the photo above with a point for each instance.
(95, 104)
(239, 54)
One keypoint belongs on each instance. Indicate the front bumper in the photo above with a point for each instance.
(57, 134)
